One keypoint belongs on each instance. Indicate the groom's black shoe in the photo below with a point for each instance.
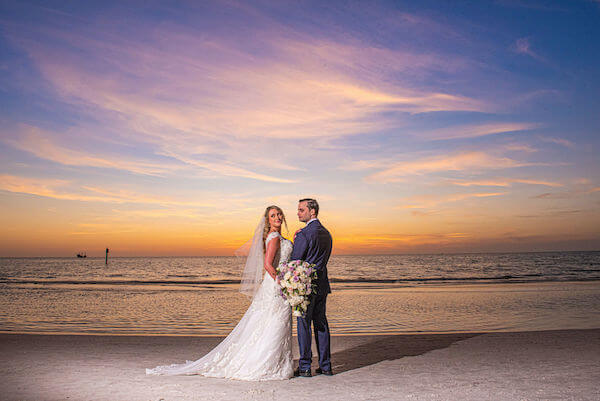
(302, 373)
(320, 371)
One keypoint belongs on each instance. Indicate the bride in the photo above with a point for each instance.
(260, 346)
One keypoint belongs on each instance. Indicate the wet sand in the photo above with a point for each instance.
(470, 366)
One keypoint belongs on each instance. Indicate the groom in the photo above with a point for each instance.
(313, 245)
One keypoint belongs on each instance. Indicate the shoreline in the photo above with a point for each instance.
(337, 285)
(361, 334)
(559, 364)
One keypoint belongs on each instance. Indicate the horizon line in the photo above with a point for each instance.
(341, 254)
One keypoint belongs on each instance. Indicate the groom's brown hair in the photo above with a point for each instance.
(311, 204)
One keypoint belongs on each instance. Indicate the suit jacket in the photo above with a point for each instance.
(313, 244)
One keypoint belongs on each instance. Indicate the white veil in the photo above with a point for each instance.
(253, 269)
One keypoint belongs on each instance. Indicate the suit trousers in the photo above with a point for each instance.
(315, 315)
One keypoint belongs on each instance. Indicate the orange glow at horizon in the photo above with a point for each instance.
(177, 233)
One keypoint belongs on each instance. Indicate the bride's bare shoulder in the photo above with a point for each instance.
(272, 235)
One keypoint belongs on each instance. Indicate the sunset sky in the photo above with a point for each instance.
(165, 128)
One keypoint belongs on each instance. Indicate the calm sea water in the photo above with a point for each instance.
(371, 294)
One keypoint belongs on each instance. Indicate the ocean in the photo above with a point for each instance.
(371, 294)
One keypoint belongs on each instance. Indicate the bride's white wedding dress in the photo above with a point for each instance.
(260, 346)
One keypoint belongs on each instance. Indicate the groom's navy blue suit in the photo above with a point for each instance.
(313, 245)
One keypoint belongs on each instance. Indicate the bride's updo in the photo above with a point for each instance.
(268, 225)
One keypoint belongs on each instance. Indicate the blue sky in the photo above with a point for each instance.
(166, 127)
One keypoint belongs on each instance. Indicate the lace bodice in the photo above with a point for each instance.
(285, 249)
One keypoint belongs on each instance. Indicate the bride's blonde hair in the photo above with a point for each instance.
(268, 225)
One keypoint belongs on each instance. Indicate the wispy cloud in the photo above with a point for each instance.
(475, 160)
(42, 144)
(531, 4)
(424, 213)
(227, 169)
(427, 201)
(520, 147)
(571, 193)
(301, 88)
(553, 213)
(504, 182)
(558, 141)
(63, 189)
(27, 185)
(536, 95)
(523, 46)
(183, 93)
(393, 240)
(475, 130)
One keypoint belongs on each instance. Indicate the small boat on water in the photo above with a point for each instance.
(81, 255)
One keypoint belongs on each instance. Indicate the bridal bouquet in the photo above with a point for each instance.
(295, 279)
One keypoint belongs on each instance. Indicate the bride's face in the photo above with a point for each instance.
(275, 219)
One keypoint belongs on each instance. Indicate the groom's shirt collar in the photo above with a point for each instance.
(310, 221)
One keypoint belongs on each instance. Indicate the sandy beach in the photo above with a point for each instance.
(471, 366)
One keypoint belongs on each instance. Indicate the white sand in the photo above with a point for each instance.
(496, 366)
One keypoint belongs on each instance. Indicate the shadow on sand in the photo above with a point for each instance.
(384, 348)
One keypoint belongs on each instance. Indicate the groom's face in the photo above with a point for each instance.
(304, 214)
